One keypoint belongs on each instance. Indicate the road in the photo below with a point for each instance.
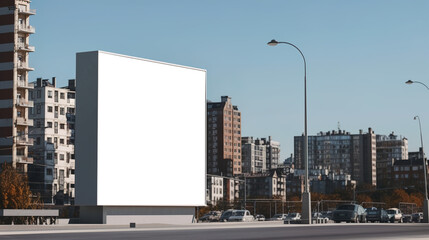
(224, 231)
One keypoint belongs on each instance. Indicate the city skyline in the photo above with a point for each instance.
(359, 56)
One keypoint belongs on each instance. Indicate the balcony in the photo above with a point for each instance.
(25, 47)
(24, 122)
(26, 29)
(24, 84)
(26, 11)
(24, 66)
(24, 159)
(24, 103)
(24, 141)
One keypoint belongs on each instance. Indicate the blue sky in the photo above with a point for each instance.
(359, 54)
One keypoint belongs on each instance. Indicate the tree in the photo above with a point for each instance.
(14, 190)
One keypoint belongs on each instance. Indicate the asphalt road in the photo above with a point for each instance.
(238, 231)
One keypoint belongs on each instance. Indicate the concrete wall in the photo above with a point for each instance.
(139, 215)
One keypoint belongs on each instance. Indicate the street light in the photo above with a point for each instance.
(409, 82)
(426, 201)
(425, 205)
(306, 198)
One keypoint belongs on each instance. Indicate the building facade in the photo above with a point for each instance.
(259, 155)
(390, 149)
(273, 153)
(52, 175)
(254, 157)
(215, 190)
(15, 31)
(341, 153)
(270, 184)
(223, 138)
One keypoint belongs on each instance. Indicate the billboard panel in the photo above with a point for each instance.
(151, 132)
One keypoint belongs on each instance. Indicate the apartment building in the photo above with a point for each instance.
(52, 175)
(273, 153)
(15, 31)
(215, 190)
(259, 155)
(390, 149)
(408, 174)
(254, 157)
(341, 153)
(223, 138)
(266, 185)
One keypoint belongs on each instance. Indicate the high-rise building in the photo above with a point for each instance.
(52, 174)
(389, 150)
(223, 138)
(259, 155)
(254, 157)
(273, 153)
(392, 147)
(341, 153)
(15, 30)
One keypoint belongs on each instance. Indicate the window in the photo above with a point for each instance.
(49, 94)
(49, 125)
(49, 171)
(38, 141)
(50, 109)
(71, 95)
(31, 95)
(62, 96)
(62, 126)
(39, 94)
(39, 108)
(61, 111)
(49, 156)
(62, 157)
(61, 140)
(49, 140)
(55, 175)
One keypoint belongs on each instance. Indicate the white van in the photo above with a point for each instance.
(241, 216)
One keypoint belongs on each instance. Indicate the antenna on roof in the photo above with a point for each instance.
(339, 126)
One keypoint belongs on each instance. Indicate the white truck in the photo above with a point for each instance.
(395, 215)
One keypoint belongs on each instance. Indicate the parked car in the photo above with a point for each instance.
(225, 215)
(377, 215)
(292, 217)
(212, 216)
(407, 218)
(320, 217)
(417, 217)
(278, 217)
(327, 214)
(349, 213)
(241, 216)
(395, 215)
(260, 217)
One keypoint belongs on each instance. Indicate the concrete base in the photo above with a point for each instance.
(425, 211)
(306, 208)
(114, 215)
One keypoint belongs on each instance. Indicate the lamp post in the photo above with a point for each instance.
(426, 201)
(411, 82)
(306, 198)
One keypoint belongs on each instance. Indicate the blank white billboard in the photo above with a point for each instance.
(151, 132)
